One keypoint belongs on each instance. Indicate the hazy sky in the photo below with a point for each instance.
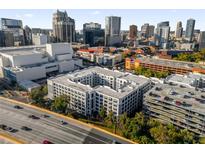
(43, 18)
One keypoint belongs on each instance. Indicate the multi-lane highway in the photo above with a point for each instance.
(49, 128)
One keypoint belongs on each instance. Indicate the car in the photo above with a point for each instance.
(47, 142)
(46, 116)
(33, 117)
(64, 122)
(115, 142)
(12, 130)
(18, 107)
(26, 128)
(2, 126)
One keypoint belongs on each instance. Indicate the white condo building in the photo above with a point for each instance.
(95, 87)
(37, 62)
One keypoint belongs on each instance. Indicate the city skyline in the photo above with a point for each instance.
(128, 17)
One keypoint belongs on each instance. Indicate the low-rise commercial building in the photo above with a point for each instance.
(157, 64)
(93, 88)
(37, 62)
(176, 104)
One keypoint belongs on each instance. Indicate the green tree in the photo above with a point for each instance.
(124, 122)
(102, 113)
(160, 134)
(60, 104)
(110, 120)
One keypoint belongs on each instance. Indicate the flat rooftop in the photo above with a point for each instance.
(171, 63)
(22, 52)
(133, 81)
(188, 79)
(183, 97)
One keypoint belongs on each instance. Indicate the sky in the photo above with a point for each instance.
(42, 18)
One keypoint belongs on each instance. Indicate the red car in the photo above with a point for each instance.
(47, 142)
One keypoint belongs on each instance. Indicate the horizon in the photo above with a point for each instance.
(128, 17)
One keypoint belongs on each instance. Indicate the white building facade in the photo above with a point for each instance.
(93, 88)
(36, 62)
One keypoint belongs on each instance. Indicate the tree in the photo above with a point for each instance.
(186, 136)
(102, 113)
(124, 122)
(110, 120)
(160, 134)
(37, 95)
(60, 103)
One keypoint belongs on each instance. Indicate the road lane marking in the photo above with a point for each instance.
(68, 118)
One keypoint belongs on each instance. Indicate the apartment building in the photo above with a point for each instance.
(95, 87)
(177, 104)
(157, 64)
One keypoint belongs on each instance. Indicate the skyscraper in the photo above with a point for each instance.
(151, 30)
(162, 34)
(28, 35)
(112, 30)
(15, 27)
(93, 34)
(133, 32)
(189, 29)
(6, 39)
(63, 27)
(179, 30)
(145, 30)
(202, 40)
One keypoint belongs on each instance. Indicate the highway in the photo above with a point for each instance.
(50, 128)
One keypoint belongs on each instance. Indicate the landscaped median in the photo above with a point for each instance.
(66, 117)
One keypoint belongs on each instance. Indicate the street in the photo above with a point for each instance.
(49, 128)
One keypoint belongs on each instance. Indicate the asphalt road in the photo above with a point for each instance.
(49, 128)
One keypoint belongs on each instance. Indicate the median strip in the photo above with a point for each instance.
(65, 117)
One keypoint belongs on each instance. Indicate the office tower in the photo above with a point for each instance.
(28, 35)
(93, 34)
(162, 34)
(63, 27)
(6, 39)
(145, 30)
(14, 26)
(189, 29)
(133, 32)
(151, 30)
(112, 30)
(202, 40)
(179, 30)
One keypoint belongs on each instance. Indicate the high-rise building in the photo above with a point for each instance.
(39, 39)
(28, 35)
(112, 30)
(14, 26)
(63, 27)
(151, 30)
(133, 32)
(6, 39)
(189, 29)
(145, 30)
(179, 30)
(93, 34)
(162, 34)
(202, 40)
